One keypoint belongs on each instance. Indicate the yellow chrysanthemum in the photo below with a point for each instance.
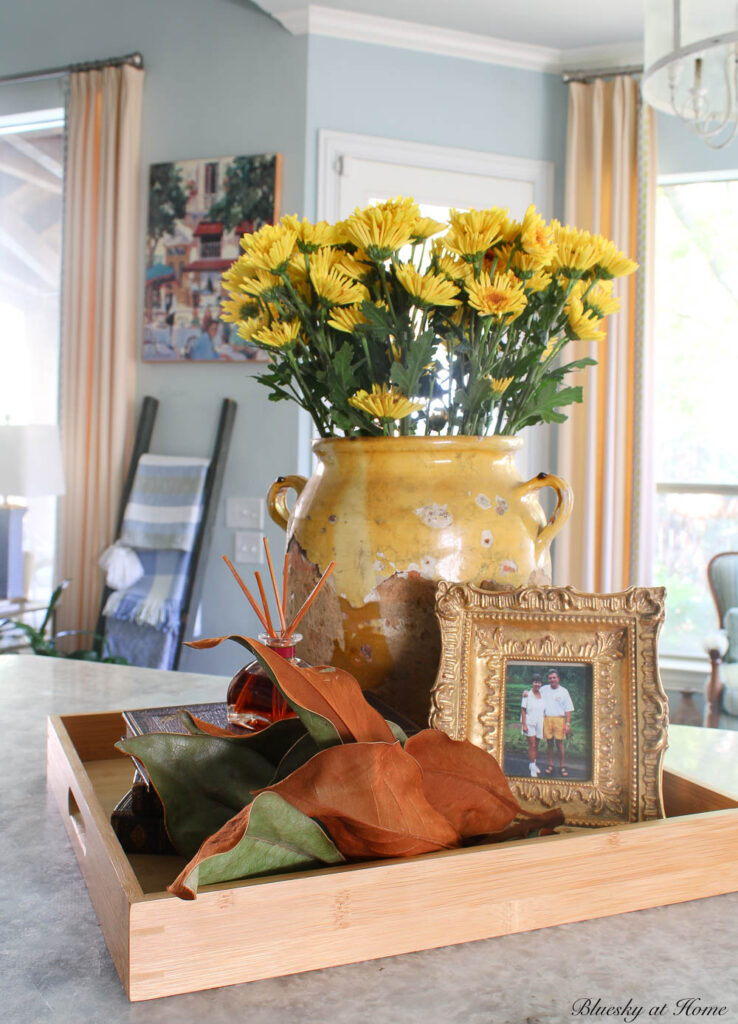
(524, 264)
(347, 318)
(278, 335)
(584, 324)
(427, 289)
(473, 232)
(336, 289)
(395, 352)
(611, 262)
(501, 296)
(384, 403)
(236, 308)
(260, 284)
(383, 229)
(500, 384)
(310, 237)
(536, 236)
(248, 328)
(275, 256)
(576, 251)
(452, 268)
(600, 299)
(425, 227)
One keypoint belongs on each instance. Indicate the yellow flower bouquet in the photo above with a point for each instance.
(390, 322)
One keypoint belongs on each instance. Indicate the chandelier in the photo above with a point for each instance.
(691, 64)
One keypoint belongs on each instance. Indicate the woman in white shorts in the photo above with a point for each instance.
(532, 719)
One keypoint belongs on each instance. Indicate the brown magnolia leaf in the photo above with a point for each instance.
(463, 782)
(369, 797)
(331, 693)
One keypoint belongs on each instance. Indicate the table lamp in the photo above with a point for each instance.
(30, 467)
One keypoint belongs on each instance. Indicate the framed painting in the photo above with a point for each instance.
(563, 689)
(198, 212)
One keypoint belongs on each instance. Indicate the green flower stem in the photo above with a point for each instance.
(316, 413)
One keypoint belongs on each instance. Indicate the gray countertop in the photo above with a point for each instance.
(55, 965)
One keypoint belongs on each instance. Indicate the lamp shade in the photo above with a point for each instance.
(690, 64)
(30, 461)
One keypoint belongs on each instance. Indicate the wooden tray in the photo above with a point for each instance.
(290, 923)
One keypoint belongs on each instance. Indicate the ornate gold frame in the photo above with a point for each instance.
(616, 633)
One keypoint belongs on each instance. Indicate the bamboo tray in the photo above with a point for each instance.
(285, 924)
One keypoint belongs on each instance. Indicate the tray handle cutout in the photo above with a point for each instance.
(75, 816)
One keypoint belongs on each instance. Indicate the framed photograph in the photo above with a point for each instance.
(198, 212)
(563, 689)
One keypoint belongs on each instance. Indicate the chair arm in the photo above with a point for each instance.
(714, 690)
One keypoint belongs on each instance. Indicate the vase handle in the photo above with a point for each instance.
(277, 497)
(564, 503)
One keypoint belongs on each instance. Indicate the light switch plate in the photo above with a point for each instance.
(245, 513)
(249, 547)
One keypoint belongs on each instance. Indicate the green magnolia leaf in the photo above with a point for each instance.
(298, 754)
(272, 742)
(397, 732)
(266, 837)
(202, 781)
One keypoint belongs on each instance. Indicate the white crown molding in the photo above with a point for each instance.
(408, 35)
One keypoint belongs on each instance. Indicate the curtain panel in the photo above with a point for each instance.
(99, 322)
(604, 446)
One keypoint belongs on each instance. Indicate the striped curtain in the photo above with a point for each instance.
(99, 321)
(604, 447)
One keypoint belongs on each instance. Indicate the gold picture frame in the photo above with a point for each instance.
(490, 635)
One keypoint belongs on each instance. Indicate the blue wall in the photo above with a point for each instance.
(421, 97)
(221, 78)
(683, 152)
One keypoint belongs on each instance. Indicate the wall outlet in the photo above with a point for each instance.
(249, 547)
(245, 513)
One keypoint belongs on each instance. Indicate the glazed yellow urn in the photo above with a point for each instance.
(396, 515)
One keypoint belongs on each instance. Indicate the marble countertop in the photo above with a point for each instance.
(55, 965)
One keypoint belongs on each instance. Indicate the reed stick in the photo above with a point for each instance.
(282, 622)
(247, 594)
(264, 601)
(284, 585)
(311, 597)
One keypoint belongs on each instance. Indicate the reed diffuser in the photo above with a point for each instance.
(253, 701)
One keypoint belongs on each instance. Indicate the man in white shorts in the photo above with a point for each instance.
(532, 713)
(557, 707)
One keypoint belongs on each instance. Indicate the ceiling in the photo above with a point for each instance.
(560, 24)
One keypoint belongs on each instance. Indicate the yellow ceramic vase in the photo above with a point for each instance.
(396, 515)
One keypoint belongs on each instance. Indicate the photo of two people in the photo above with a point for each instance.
(548, 720)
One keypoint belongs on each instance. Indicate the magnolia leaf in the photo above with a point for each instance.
(370, 798)
(202, 781)
(324, 696)
(399, 734)
(463, 782)
(319, 726)
(272, 742)
(299, 753)
(266, 837)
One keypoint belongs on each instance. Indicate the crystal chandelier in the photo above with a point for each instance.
(691, 64)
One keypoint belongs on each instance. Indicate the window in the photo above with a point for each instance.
(211, 178)
(31, 182)
(696, 394)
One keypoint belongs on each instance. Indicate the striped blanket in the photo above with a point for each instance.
(165, 506)
(156, 599)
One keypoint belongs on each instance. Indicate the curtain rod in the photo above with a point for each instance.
(92, 65)
(587, 76)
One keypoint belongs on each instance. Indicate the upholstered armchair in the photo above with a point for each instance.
(722, 646)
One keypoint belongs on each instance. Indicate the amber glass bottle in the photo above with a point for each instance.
(253, 700)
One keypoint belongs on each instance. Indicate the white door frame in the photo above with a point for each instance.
(334, 146)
